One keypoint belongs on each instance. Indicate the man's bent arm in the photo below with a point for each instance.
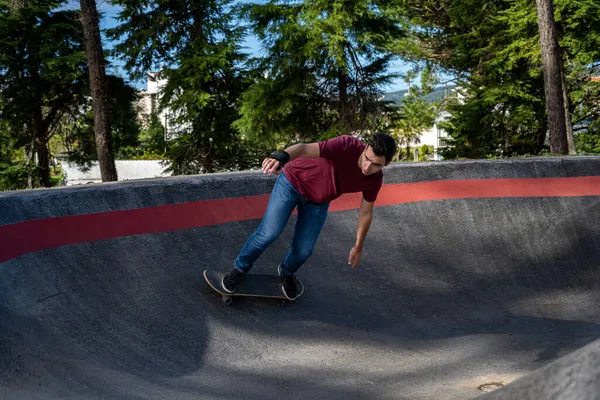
(365, 217)
(274, 163)
(304, 150)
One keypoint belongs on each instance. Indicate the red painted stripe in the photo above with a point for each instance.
(476, 188)
(29, 236)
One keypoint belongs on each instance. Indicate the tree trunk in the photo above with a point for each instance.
(16, 4)
(551, 63)
(541, 136)
(207, 164)
(343, 89)
(568, 121)
(43, 158)
(30, 156)
(98, 86)
(39, 133)
(208, 160)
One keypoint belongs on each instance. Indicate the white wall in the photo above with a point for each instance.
(126, 170)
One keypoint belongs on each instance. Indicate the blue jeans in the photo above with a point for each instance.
(311, 218)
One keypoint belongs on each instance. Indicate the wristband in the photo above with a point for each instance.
(282, 156)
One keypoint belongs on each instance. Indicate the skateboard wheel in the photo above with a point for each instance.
(281, 303)
(227, 300)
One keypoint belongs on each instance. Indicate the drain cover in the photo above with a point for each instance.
(490, 387)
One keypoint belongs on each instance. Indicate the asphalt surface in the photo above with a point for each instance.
(451, 294)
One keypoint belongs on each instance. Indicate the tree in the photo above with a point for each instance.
(41, 78)
(415, 114)
(76, 132)
(123, 114)
(551, 64)
(577, 25)
(195, 46)
(493, 49)
(487, 122)
(98, 85)
(469, 39)
(153, 135)
(13, 167)
(324, 71)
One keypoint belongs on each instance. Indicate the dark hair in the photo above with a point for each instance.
(383, 145)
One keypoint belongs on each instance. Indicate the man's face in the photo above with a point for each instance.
(370, 163)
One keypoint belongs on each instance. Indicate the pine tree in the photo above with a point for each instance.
(552, 66)
(415, 114)
(493, 48)
(324, 71)
(195, 46)
(99, 88)
(76, 132)
(41, 78)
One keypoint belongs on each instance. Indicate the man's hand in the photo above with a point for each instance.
(355, 255)
(271, 166)
(278, 159)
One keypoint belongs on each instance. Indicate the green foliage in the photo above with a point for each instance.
(77, 140)
(153, 137)
(39, 70)
(75, 131)
(324, 70)
(588, 140)
(406, 154)
(42, 78)
(437, 95)
(196, 47)
(470, 130)
(578, 26)
(491, 122)
(13, 166)
(58, 176)
(325, 66)
(425, 151)
(151, 143)
(493, 49)
(415, 114)
(123, 115)
(147, 155)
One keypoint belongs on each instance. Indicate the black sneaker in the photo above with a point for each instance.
(231, 280)
(288, 286)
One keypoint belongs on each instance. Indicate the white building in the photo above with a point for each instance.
(434, 137)
(149, 102)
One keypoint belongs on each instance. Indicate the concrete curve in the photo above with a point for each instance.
(473, 273)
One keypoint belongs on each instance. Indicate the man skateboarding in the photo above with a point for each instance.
(314, 174)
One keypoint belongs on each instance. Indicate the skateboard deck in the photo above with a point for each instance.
(253, 285)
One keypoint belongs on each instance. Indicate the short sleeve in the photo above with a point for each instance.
(331, 148)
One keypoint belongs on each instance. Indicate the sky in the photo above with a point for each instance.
(110, 12)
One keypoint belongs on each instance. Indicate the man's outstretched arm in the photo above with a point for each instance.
(305, 150)
(365, 216)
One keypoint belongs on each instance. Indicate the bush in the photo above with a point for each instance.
(13, 176)
(147, 154)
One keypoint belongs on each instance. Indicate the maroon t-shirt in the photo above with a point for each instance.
(335, 172)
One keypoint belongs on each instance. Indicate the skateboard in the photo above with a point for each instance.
(253, 285)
